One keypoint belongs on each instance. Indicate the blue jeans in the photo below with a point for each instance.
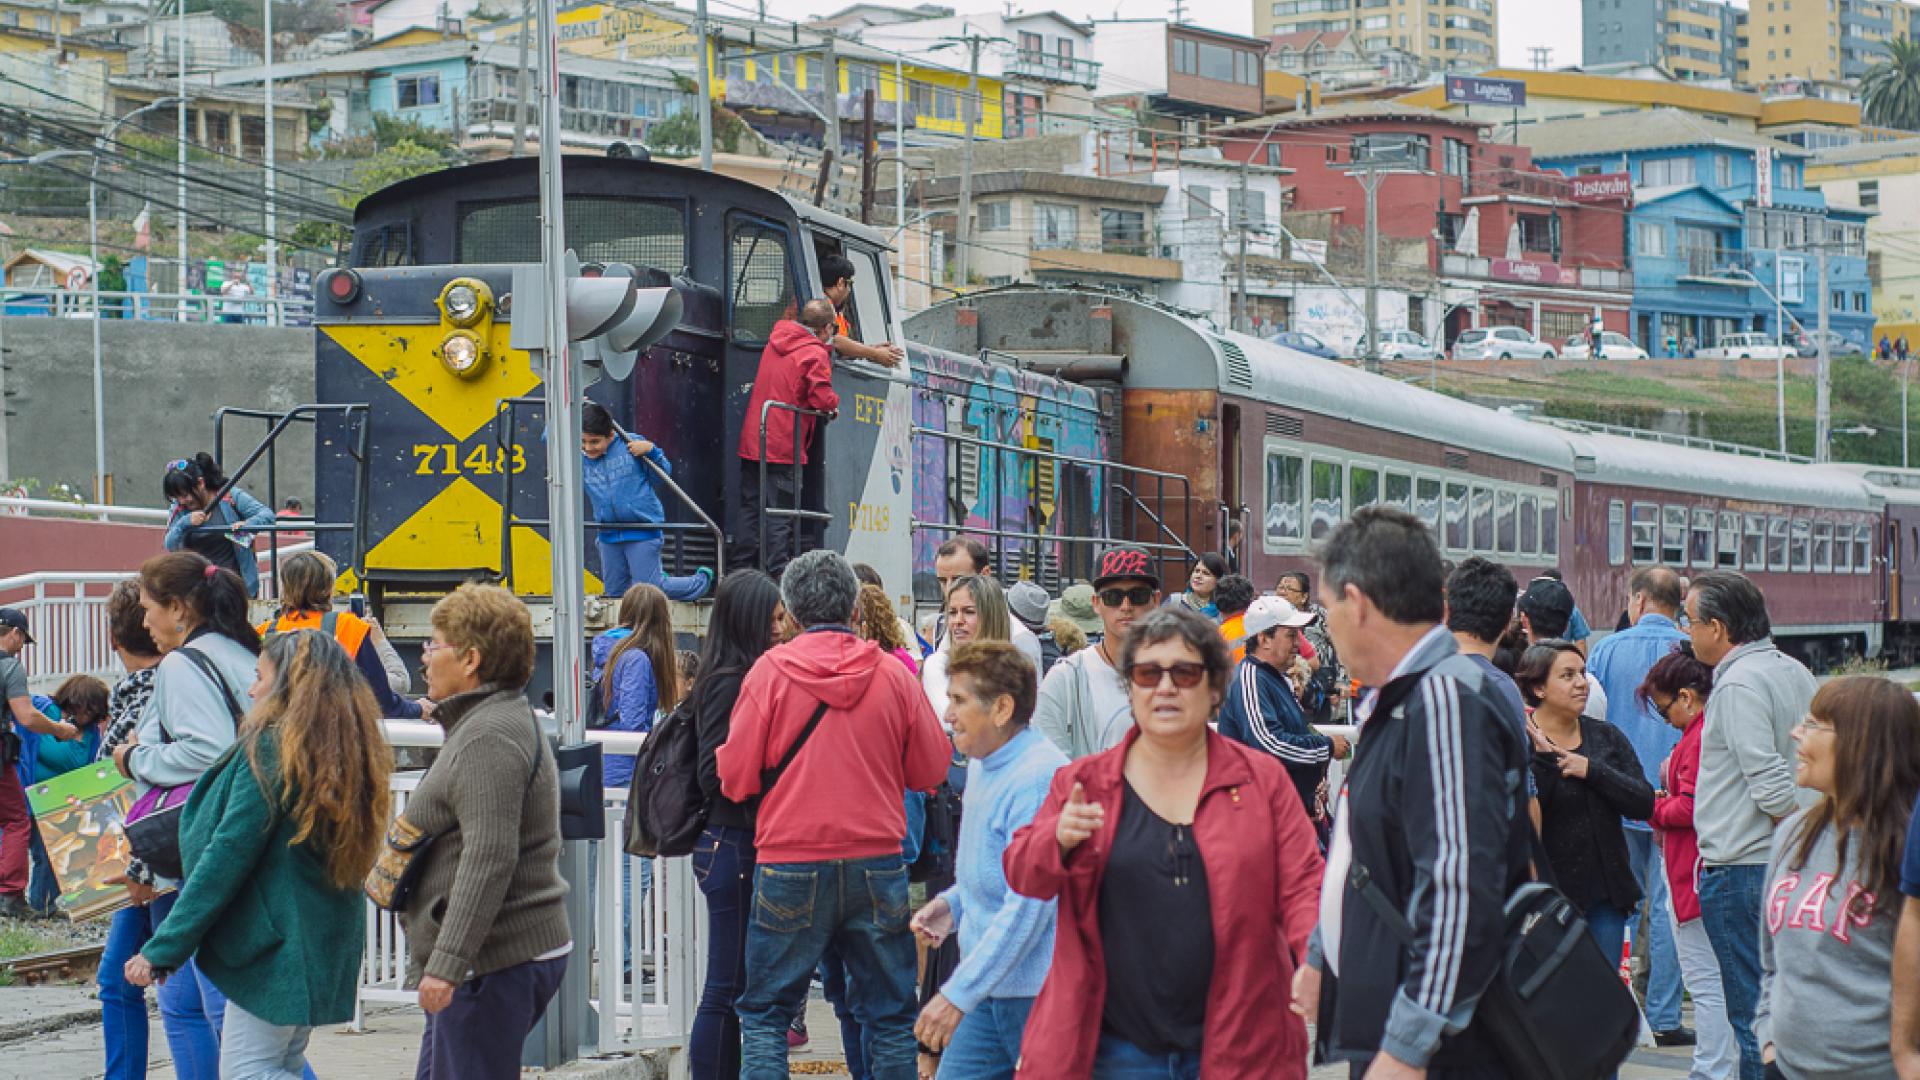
(43, 889)
(1731, 899)
(1663, 959)
(860, 907)
(986, 1045)
(853, 1037)
(192, 1011)
(1118, 1059)
(623, 565)
(723, 867)
(252, 1049)
(123, 1006)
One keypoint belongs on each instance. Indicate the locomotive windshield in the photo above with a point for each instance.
(642, 232)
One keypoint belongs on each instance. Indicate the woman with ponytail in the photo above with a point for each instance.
(218, 531)
(277, 839)
(196, 613)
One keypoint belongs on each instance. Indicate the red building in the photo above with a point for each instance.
(1507, 244)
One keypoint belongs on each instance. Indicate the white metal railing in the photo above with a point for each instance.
(650, 1007)
(21, 506)
(68, 613)
(30, 300)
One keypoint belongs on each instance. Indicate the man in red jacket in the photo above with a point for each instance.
(795, 369)
(828, 734)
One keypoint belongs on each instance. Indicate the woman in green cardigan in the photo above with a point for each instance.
(277, 838)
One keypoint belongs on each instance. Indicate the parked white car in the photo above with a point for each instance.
(1612, 347)
(1400, 345)
(1501, 343)
(1747, 346)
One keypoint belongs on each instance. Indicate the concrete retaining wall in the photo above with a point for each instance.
(163, 383)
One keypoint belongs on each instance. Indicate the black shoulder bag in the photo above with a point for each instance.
(770, 777)
(1556, 1008)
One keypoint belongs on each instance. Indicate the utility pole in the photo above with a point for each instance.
(273, 208)
(1823, 390)
(832, 111)
(566, 1022)
(520, 107)
(869, 168)
(1370, 182)
(963, 228)
(1780, 353)
(899, 181)
(705, 87)
(1240, 322)
(59, 47)
(180, 156)
(153, 10)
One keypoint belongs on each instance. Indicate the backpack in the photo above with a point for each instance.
(600, 713)
(665, 808)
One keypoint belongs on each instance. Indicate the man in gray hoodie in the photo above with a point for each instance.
(1746, 779)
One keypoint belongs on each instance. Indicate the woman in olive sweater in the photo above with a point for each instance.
(276, 840)
(487, 925)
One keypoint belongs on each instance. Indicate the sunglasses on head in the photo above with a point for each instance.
(1138, 596)
(1186, 675)
(179, 465)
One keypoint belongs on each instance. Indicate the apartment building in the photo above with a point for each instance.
(1694, 39)
(1446, 35)
(1821, 39)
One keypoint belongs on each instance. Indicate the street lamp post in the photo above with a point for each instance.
(1779, 341)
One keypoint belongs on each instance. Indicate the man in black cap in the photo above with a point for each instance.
(1083, 705)
(1546, 611)
(16, 821)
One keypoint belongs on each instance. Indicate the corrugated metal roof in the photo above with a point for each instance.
(1652, 129)
(1614, 459)
(1872, 151)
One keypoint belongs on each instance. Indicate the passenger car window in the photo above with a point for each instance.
(1284, 491)
(1616, 533)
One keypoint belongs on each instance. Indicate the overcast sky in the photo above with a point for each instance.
(1523, 23)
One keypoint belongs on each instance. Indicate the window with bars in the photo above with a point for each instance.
(760, 284)
(637, 231)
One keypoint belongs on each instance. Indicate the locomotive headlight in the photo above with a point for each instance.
(465, 301)
(461, 353)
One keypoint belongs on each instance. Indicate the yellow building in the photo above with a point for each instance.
(38, 15)
(1446, 35)
(777, 81)
(1811, 122)
(1835, 41)
(1883, 178)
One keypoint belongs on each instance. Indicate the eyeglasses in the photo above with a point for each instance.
(1811, 724)
(432, 647)
(1662, 707)
(1186, 675)
(1138, 596)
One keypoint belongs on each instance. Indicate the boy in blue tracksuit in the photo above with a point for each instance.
(1259, 708)
(621, 489)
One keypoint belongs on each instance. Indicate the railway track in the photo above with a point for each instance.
(59, 965)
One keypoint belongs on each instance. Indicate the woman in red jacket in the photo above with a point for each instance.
(1188, 879)
(1676, 687)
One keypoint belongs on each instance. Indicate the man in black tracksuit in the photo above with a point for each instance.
(1434, 810)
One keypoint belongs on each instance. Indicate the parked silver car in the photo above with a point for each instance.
(1501, 343)
(1399, 345)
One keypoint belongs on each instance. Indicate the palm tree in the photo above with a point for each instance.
(1890, 90)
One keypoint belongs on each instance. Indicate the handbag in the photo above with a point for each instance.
(153, 821)
(1556, 1009)
(395, 876)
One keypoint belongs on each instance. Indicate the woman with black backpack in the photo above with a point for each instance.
(748, 619)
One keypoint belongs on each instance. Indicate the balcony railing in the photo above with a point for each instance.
(1554, 275)
(1029, 64)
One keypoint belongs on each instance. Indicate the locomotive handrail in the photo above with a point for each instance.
(508, 407)
(799, 485)
(1178, 543)
(279, 422)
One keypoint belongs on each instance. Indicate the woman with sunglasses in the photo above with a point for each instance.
(1676, 687)
(1588, 778)
(216, 530)
(1833, 886)
(1188, 879)
(976, 611)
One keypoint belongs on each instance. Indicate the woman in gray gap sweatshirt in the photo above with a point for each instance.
(1832, 899)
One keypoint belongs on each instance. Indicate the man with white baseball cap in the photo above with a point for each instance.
(1259, 708)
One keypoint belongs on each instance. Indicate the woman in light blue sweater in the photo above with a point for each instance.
(196, 613)
(1006, 940)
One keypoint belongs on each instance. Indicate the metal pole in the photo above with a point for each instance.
(963, 229)
(831, 83)
(1779, 353)
(520, 106)
(93, 285)
(899, 181)
(567, 1024)
(706, 87)
(1372, 185)
(1823, 390)
(180, 156)
(1906, 372)
(273, 214)
(1240, 281)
